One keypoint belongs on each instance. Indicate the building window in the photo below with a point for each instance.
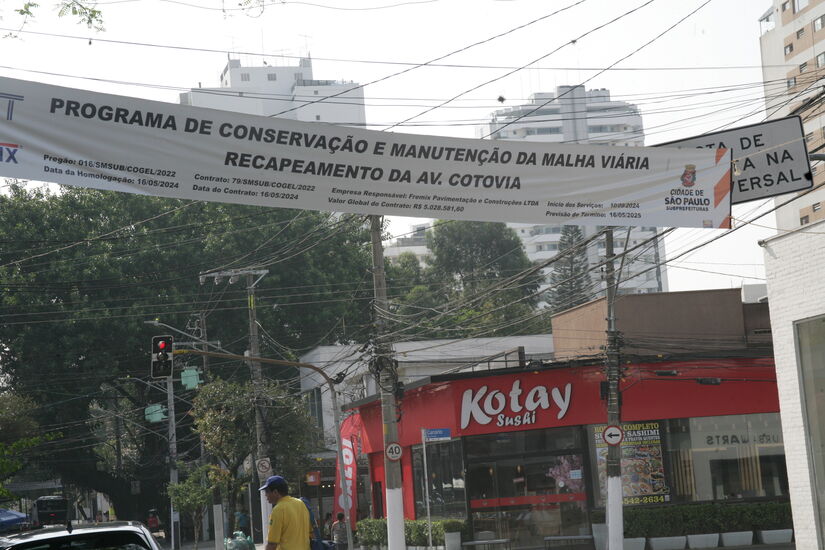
(800, 33)
(820, 60)
(271, 76)
(810, 340)
(445, 474)
(317, 117)
(315, 92)
(809, 137)
(244, 77)
(726, 457)
(315, 407)
(803, 67)
(791, 82)
(818, 22)
(785, 5)
(804, 220)
(816, 206)
(799, 5)
(788, 49)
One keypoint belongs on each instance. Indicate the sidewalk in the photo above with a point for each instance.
(210, 545)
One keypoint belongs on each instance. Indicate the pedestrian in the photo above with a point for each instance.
(328, 526)
(242, 522)
(339, 533)
(289, 527)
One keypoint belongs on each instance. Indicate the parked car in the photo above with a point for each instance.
(115, 535)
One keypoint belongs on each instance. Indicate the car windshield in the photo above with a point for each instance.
(120, 540)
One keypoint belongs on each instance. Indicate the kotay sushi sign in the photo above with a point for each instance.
(504, 403)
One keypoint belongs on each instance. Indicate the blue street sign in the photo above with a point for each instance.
(437, 434)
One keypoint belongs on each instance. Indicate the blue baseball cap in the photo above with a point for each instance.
(275, 482)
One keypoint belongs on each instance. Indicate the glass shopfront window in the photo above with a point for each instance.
(524, 486)
(727, 457)
(445, 469)
(696, 459)
(810, 349)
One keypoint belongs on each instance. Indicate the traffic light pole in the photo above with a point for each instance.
(174, 526)
(336, 415)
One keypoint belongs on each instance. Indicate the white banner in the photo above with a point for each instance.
(103, 141)
(770, 158)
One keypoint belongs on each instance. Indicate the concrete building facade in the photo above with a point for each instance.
(283, 91)
(575, 115)
(793, 66)
(796, 297)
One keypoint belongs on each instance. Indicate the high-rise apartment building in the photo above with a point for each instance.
(573, 115)
(793, 66)
(283, 91)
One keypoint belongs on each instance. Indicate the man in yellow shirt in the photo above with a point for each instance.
(289, 527)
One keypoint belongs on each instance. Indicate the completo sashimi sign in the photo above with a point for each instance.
(103, 141)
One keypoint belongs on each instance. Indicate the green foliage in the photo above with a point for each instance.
(224, 414)
(570, 280)
(772, 515)
(193, 495)
(696, 519)
(372, 532)
(453, 525)
(17, 445)
(737, 517)
(12, 459)
(83, 12)
(478, 281)
(84, 269)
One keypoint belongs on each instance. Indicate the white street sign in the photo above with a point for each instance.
(613, 435)
(769, 158)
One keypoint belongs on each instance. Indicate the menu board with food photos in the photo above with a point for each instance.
(643, 471)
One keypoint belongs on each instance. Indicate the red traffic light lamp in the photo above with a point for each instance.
(162, 356)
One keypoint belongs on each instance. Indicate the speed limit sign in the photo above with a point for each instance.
(394, 451)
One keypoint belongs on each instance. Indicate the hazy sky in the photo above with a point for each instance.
(700, 76)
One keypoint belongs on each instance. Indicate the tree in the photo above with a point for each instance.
(17, 445)
(85, 12)
(82, 271)
(479, 282)
(225, 419)
(193, 495)
(570, 283)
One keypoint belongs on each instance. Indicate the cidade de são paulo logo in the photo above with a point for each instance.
(510, 409)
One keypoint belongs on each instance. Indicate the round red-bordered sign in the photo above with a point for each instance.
(394, 451)
(613, 435)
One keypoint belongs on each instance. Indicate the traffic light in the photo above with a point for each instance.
(162, 356)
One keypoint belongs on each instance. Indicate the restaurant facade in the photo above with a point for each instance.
(521, 452)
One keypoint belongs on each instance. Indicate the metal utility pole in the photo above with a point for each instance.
(262, 446)
(615, 521)
(217, 508)
(387, 377)
(174, 525)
